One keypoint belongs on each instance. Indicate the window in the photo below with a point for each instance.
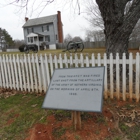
(56, 37)
(30, 39)
(45, 28)
(30, 30)
(47, 38)
(40, 38)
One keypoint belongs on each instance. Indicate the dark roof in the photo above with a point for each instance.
(39, 21)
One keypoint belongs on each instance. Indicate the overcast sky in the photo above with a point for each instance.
(12, 20)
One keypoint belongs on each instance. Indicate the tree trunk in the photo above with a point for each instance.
(118, 23)
(117, 43)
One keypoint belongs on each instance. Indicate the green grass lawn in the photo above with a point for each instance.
(58, 51)
(18, 113)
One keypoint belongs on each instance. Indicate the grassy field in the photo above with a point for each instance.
(58, 51)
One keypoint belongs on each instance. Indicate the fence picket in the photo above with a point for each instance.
(27, 72)
(38, 73)
(43, 73)
(99, 59)
(93, 60)
(105, 78)
(19, 72)
(81, 60)
(130, 76)
(124, 77)
(12, 72)
(117, 77)
(55, 61)
(34, 74)
(76, 60)
(66, 60)
(0, 74)
(137, 76)
(5, 71)
(51, 64)
(87, 60)
(23, 72)
(60, 61)
(111, 76)
(2, 71)
(9, 72)
(71, 61)
(16, 74)
(47, 70)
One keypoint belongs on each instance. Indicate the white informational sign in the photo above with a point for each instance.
(79, 89)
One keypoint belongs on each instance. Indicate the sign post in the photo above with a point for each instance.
(77, 89)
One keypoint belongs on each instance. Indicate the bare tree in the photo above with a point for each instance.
(93, 15)
(95, 35)
(67, 38)
(77, 39)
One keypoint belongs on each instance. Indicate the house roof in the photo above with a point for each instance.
(39, 21)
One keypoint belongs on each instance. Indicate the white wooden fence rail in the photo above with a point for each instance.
(33, 72)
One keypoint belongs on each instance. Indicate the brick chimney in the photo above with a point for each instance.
(59, 25)
(26, 19)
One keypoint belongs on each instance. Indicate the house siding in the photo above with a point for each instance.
(38, 29)
(35, 26)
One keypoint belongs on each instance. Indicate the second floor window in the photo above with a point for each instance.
(30, 30)
(45, 28)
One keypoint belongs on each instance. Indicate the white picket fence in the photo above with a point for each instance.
(33, 72)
